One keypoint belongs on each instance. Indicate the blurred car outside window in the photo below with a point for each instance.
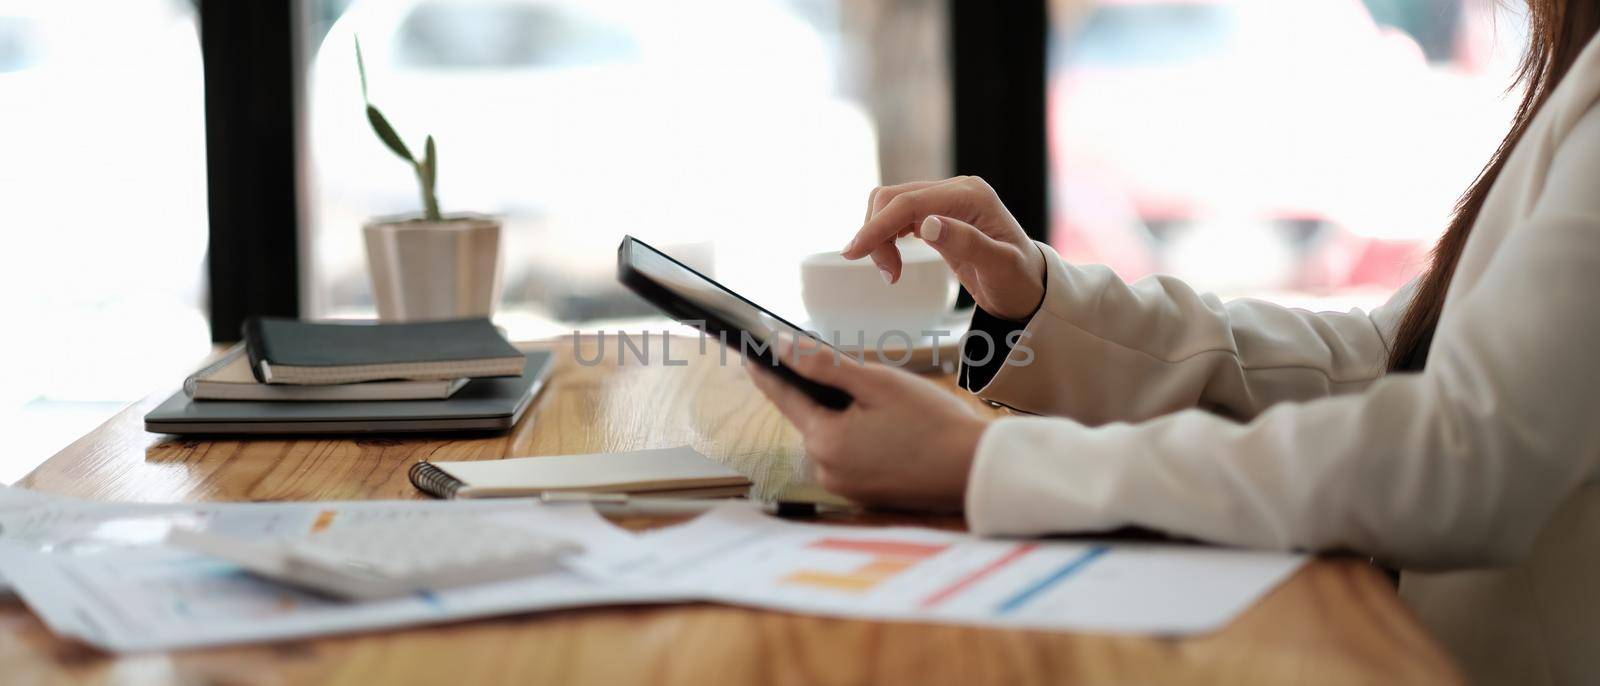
(1300, 151)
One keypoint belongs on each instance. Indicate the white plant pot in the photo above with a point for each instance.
(434, 270)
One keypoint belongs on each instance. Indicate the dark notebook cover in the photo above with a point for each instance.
(481, 405)
(294, 343)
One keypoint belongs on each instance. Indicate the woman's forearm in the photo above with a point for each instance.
(1102, 350)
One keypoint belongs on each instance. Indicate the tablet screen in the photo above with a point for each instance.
(734, 310)
(692, 298)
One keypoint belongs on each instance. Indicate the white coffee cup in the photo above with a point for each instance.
(850, 299)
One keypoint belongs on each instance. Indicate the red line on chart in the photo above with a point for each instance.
(944, 594)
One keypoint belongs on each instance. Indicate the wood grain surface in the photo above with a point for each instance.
(1337, 621)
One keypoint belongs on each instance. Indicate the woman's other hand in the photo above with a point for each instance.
(965, 221)
(905, 442)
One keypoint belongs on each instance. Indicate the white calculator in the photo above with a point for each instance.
(390, 558)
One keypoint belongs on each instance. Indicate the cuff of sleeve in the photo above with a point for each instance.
(990, 351)
(1035, 475)
(993, 346)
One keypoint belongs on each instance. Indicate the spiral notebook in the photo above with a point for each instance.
(678, 472)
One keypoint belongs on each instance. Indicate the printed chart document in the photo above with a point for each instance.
(99, 574)
(45, 518)
(738, 556)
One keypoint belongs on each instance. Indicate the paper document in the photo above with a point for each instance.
(100, 572)
(738, 556)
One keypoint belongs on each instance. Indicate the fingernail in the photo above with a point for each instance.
(887, 277)
(848, 246)
(931, 228)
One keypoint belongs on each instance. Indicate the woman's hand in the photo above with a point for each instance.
(905, 442)
(965, 221)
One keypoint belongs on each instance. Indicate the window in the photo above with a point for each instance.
(508, 35)
(1299, 150)
(1155, 33)
(739, 134)
(103, 182)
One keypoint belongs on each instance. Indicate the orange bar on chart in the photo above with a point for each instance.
(887, 558)
(880, 548)
(323, 521)
(840, 582)
(886, 566)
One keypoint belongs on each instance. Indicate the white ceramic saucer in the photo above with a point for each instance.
(939, 352)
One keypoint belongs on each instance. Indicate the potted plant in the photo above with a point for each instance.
(428, 266)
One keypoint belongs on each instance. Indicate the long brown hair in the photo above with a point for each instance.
(1558, 30)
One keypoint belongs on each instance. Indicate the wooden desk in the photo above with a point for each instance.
(1337, 621)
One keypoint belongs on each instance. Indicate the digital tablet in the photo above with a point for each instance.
(694, 299)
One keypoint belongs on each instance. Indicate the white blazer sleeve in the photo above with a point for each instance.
(1458, 465)
(1101, 350)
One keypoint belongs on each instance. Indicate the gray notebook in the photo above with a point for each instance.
(482, 405)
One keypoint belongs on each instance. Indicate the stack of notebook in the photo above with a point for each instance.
(289, 376)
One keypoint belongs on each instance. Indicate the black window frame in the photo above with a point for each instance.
(253, 68)
(998, 70)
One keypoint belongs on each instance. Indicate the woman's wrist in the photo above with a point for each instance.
(1039, 267)
(1026, 287)
(969, 435)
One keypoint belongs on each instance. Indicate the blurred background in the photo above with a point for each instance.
(741, 134)
(1305, 151)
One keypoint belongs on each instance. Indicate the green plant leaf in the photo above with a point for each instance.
(430, 165)
(380, 126)
(426, 171)
(361, 68)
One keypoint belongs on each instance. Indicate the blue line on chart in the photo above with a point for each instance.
(431, 599)
(1054, 578)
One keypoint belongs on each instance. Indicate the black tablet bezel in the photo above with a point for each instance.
(689, 312)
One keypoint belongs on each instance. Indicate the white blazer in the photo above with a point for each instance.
(1251, 424)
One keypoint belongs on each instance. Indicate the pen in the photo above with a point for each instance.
(624, 504)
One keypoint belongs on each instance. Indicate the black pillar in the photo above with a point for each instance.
(251, 101)
(998, 59)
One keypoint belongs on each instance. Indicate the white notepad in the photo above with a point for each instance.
(681, 471)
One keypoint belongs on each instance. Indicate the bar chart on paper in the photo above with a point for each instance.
(884, 559)
(872, 563)
(942, 576)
